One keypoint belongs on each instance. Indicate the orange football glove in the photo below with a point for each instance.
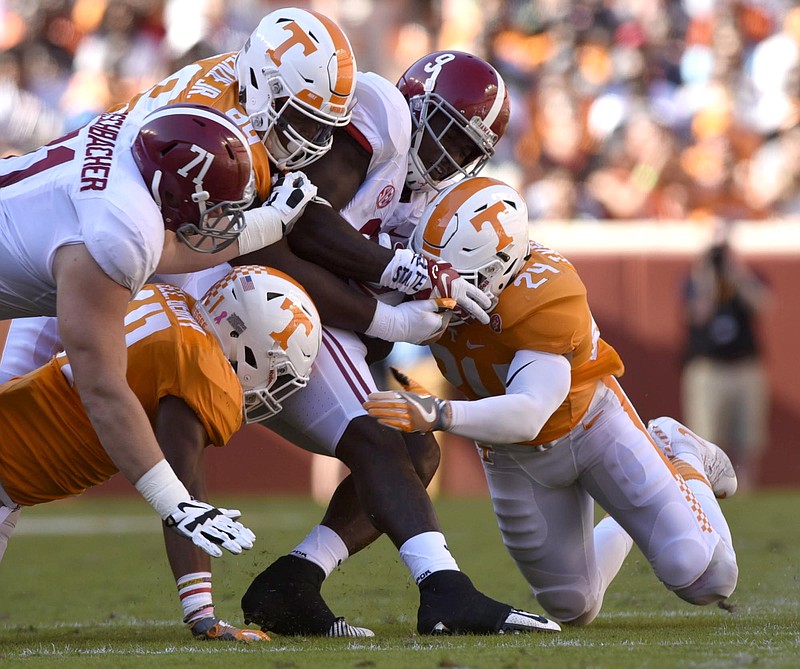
(413, 409)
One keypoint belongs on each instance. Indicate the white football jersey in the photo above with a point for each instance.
(84, 188)
(381, 116)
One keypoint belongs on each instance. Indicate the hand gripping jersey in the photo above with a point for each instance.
(210, 82)
(544, 309)
(83, 188)
(49, 449)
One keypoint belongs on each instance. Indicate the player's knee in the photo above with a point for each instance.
(365, 438)
(424, 453)
(570, 604)
(680, 562)
(717, 582)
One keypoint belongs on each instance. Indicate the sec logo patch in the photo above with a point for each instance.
(496, 323)
(385, 196)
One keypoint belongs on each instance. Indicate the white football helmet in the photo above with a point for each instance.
(270, 331)
(297, 79)
(479, 226)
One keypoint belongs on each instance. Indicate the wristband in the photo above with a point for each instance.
(380, 327)
(263, 227)
(162, 489)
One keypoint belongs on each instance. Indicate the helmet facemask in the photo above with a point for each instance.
(219, 224)
(294, 133)
(269, 330)
(462, 146)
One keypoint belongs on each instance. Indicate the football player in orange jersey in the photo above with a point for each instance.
(198, 369)
(553, 427)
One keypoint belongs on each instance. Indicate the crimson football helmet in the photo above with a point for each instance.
(459, 109)
(480, 226)
(269, 330)
(198, 167)
(297, 79)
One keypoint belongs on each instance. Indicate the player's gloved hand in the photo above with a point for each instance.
(289, 196)
(412, 409)
(412, 273)
(417, 322)
(274, 219)
(212, 628)
(209, 527)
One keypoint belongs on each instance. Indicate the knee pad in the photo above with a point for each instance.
(717, 582)
(678, 553)
(570, 604)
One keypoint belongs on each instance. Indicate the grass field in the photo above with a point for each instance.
(75, 591)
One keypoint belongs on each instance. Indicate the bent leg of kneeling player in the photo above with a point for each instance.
(546, 522)
(674, 527)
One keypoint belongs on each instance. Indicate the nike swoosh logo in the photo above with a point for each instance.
(471, 346)
(427, 416)
(591, 422)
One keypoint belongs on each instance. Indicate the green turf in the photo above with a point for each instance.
(108, 600)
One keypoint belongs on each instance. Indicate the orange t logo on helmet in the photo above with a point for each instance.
(298, 36)
(490, 215)
(299, 317)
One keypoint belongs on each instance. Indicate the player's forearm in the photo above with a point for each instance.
(327, 239)
(537, 384)
(123, 428)
(505, 419)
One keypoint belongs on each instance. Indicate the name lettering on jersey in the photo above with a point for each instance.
(299, 317)
(434, 69)
(296, 36)
(223, 74)
(99, 153)
(176, 301)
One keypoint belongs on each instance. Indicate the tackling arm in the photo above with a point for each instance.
(183, 440)
(537, 384)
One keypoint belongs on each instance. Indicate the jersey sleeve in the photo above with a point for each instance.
(381, 116)
(209, 386)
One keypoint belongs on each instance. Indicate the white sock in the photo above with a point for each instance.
(611, 546)
(195, 593)
(426, 553)
(323, 547)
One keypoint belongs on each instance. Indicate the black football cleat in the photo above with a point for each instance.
(450, 604)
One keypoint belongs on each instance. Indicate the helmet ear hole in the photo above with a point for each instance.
(250, 357)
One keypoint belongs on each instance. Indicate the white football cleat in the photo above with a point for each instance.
(673, 438)
(341, 628)
(522, 621)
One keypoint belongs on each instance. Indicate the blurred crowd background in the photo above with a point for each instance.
(621, 109)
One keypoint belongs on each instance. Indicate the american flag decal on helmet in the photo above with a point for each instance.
(247, 282)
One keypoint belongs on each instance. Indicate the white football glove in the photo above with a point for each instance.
(274, 219)
(415, 322)
(412, 273)
(413, 409)
(209, 527)
(289, 196)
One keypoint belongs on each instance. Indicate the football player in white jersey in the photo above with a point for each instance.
(383, 169)
(373, 151)
(86, 219)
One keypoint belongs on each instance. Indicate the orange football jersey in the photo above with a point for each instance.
(544, 309)
(210, 82)
(49, 449)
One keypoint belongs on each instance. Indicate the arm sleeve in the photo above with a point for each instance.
(537, 384)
